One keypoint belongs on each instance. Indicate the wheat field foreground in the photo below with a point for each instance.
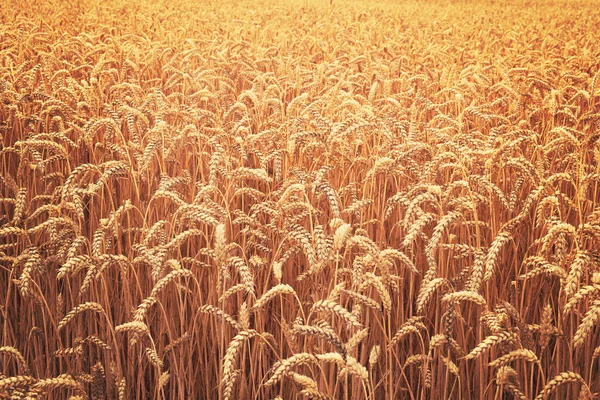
(299, 200)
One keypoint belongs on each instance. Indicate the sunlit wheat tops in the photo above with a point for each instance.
(305, 199)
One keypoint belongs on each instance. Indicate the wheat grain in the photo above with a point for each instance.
(284, 367)
(277, 290)
(228, 374)
(589, 320)
(464, 296)
(519, 354)
(16, 354)
(333, 307)
(560, 379)
(90, 305)
(489, 342)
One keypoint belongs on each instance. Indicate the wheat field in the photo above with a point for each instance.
(299, 199)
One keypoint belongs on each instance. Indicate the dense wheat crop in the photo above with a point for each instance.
(261, 199)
